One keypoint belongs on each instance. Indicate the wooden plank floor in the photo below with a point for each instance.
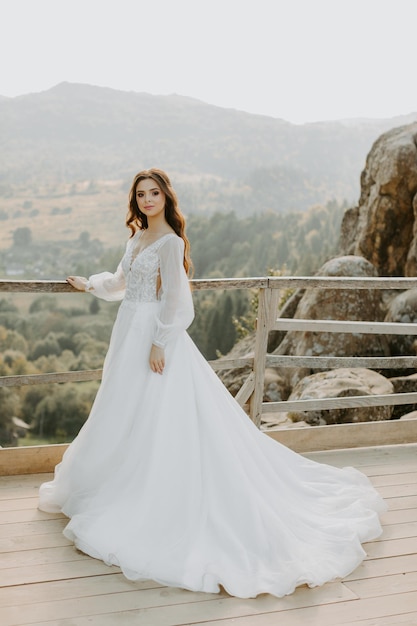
(45, 581)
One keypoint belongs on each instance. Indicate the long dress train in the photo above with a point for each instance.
(170, 480)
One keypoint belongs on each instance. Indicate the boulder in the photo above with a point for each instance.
(342, 382)
(233, 379)
(383, 227)
(402, 308)
(409, 416)
(280, 421)
(336, 304)
(404, 384)
(275, 386)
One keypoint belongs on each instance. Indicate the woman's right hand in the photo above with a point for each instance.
(157, 359)
(78, 282)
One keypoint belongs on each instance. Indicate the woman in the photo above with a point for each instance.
(169, 478)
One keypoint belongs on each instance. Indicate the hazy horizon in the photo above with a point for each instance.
(296, 60)
(353, 119)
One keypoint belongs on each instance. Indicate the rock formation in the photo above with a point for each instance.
(383, 227)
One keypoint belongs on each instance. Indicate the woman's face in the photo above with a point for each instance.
(150, 198)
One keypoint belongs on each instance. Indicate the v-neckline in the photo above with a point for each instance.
(134, 257)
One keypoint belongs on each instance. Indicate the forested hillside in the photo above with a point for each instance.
(73, 133)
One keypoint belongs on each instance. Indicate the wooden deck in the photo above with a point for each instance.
(45, 581)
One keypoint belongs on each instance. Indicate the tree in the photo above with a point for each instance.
(61, 413)
(17, 363)
(12, 340)
(84, 239)
(227, 336)
(46, 347)
(6, 306)
(214, 333)
(32, 395)
(94, 306)
(9, 407)
(22, 237)
(43, 303)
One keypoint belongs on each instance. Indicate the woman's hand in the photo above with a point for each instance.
(157, 359)
(78, 282)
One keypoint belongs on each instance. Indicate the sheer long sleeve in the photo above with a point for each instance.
(108, 286)
(177, 310)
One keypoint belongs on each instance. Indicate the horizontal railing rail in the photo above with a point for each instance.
(337, 326)
(332, 362)
(268, 282)
(343, 402)
(86, 375)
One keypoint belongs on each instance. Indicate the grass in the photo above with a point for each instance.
(101, 213)
(34, 440)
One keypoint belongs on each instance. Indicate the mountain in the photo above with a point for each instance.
(76, 132)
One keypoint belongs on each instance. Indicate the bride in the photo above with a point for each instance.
(169, 478)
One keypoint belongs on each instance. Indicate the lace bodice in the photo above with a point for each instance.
(142, 271)
(136, 281)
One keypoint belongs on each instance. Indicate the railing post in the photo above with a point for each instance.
(261, 343)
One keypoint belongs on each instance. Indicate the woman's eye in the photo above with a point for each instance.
(156, 193)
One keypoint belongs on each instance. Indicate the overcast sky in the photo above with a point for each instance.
(300, 60)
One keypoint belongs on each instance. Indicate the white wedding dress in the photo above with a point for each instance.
(169, 478)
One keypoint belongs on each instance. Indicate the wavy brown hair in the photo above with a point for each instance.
(136, 220)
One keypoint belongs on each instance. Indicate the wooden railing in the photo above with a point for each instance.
(251, 392)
